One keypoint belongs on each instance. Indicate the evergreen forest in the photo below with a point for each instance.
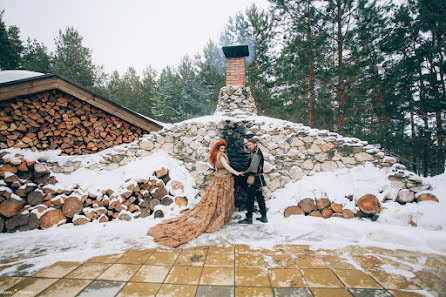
(374, 70)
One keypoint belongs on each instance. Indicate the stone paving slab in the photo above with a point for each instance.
(240, 271)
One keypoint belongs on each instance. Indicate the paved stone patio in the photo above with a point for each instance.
(237, 270)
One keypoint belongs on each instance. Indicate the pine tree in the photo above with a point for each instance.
(210, 75)
(432, 22)
(169, 97)
(10, 46)
(72, 59)
(36, 57)
(366, 112)
(256, 29)
(301, 70)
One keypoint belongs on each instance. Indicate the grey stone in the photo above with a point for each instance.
(361, 157)
(296, 173)
(329, 166)
(267, 167)
(370, 293)
(102, 288)
(296, 142)
(308, 139)
(292, 292)
(307, 165)
(143, 153)
(124, 217)
(405, 196)
(274, 184)
(214, 291)
(397, 184)
(111, 166)
(345, 149)
(322, 157)
(348, 161)
(146, 145)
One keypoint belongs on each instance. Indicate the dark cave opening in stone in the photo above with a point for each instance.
(234, 133)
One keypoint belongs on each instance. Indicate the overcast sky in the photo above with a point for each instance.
(128, 33)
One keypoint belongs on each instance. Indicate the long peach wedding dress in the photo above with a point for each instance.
(210, 214)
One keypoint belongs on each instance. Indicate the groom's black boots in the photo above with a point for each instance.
(262, 219)
(246, 221)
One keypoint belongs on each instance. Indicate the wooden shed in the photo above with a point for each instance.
(51, 112)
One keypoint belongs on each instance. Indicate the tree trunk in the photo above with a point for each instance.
(310, 76)
(414, 148)
(434, 83)
(341, 86)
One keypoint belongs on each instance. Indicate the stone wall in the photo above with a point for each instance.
(291, 150)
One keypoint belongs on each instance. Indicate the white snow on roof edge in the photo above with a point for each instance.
(12, 75)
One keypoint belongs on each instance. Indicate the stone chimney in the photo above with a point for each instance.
(235, 99)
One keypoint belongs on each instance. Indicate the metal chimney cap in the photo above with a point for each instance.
(235, 51)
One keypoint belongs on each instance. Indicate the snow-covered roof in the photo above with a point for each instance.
(12, 75)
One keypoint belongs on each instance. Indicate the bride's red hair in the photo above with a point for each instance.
(214, 151)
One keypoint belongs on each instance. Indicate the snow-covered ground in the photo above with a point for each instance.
(36, 249)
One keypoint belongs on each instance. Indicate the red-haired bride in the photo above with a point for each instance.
(212, 212)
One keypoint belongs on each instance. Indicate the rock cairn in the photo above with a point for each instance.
(236, 101)
(29, 199)
(55, 120)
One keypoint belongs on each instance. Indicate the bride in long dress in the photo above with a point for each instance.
(210, 214)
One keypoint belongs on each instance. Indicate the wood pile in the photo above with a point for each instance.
(322, 207)
(28, 199)
(368, 206)
(55, 120)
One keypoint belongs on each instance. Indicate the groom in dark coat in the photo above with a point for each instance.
(255, 190)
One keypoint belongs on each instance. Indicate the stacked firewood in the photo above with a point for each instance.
(318, 208)
(29, 200)
(368, 206)
(20, 190)
(54, 120)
